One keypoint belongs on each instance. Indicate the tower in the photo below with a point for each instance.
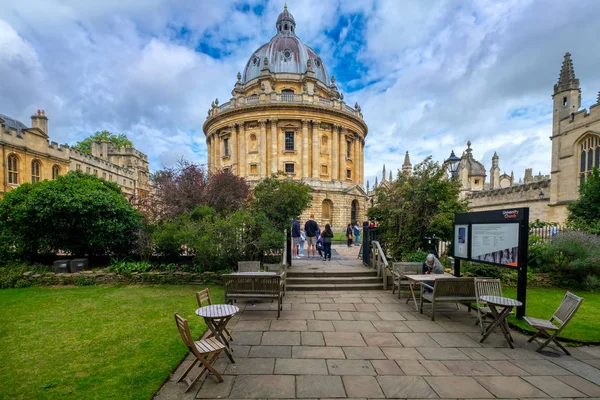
(495, 173)
(566, 102)
(406, 166)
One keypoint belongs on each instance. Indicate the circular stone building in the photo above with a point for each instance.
(287, 115)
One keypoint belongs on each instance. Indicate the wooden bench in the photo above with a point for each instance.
(449, 290)
(259, 286)
(399, 270)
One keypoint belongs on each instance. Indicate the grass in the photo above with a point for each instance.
(100, 342)
(542, 303)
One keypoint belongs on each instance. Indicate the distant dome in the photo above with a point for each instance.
(474, 167)
(285, 53)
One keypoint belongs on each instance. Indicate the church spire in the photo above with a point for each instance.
(406, 166)
(383, 174)
(566, 79)
(391, 179)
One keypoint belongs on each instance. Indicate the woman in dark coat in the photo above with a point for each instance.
(327, 235)
(349, 235)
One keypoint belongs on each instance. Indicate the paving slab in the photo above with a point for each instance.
(364, 353)
(264, 386)
(582, 369)
(442, 353)
(305, 307)
(424, 326)
(506, 367)
(492, 354)
(412, 368)
(316, 386)
(387, 367)
(391, 326)
(553, 386)
(247, 338)
(302, 315)
(354, 326)
(317, 352)
(257, 315)
(453, 340)
(176, 391)
(297, 366)
(390, 316)
(472, 354)
(320, 326)
(251, 326)
(542, 367)
(212, 390)
(416, 340)
(470, 368)
(328, 315)
(312, 339)
(347, 300)
(343, 339)
(401, 353)
(280, 338)
(581, 384)
(456, 326)
(240, 351)
(365, 316)
(350, 367)
(436, 368)
(381, 339)
(510, 387)
(337, 307)
(290, 325)
(406, 387)
(458, 387)
(366, 307)
(251, 366)
(347, 315)
(362, 386)
(270, 352)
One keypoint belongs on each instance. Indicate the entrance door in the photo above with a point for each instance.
(353, 213)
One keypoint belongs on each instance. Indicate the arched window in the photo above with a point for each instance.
(354, 211)
(590, 156)
(55, 171)
(13, 169)
(253, 144)
(35, 171)
(326, 211)
(287, 91)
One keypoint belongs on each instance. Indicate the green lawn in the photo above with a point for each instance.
(542, 303)
(100, 342)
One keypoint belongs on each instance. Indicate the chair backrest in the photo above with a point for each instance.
(407, 268)
(248, 266)
(251, 284)
(487, 287)
(567, 308)
(184, 331)
(203, 296)
(273, 267)
(459, 287)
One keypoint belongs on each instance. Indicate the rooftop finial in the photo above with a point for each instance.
(406, 159)
(285, 6)
(566, 79)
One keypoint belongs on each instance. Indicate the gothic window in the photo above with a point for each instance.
(565, 103)
(13, 171)
(55, 171)
(35, 171)
(253, 144)
(590, 156)
(326, 210)
(289, 168)
(226, 147)
(289, 141)
(78, 167)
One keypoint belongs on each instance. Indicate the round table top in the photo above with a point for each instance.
(217, 311)
(501, 301)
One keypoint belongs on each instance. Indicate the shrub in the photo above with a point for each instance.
(416, 256)
(126, 267)
(538, 254)
(574, 256)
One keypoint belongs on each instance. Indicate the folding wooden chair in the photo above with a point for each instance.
(248, 266)
(566, 310)
(485, 287)
(204, 296)
(206, 352)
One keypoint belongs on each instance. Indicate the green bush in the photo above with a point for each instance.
(416, 256)
(574, 256)
(538, 254)
(126, 267)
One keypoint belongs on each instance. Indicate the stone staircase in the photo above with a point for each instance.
(323, 280)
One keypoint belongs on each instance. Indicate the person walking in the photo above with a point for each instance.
(327, 236)
(295, 237)
(349, 235)
(356, 230)
(302, 240)
(310, 229)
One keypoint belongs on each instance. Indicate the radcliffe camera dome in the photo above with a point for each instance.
(285, 53)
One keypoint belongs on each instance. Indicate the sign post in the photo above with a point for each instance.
(496, 237)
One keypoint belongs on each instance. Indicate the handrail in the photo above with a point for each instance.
(380, 262)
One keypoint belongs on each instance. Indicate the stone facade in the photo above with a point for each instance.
(287, 117)
(28, 156)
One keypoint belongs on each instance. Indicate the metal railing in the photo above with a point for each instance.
(380, 263)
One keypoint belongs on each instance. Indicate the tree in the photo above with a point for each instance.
(77, 213)
(584, 213)
(105, 136)
(226, 192)
(416, 206)
(281, 200)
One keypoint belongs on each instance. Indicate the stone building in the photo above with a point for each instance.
(286, 115)
(28, 156)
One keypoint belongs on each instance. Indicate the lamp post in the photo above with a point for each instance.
(452, 164)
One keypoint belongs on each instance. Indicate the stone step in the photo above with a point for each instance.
(332, 280)
(332, 287)
(329, 274)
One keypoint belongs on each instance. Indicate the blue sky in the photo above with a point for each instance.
(429, 75)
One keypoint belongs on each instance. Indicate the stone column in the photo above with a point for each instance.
(305, 166)
(274, 158)
(315, 149)
(356, 161)
(242, 150)
(262, 147)
(233, 147)
(361, 148)
(335, 157)
(209, 155)
(343, 150)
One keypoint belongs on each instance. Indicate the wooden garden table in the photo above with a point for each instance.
(216, 317)
(506, 304)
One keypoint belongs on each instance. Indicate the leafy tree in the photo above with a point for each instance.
(584, 213)
(415, 206)
(105, 136)
(77, 213)
(226, 192)
(280, 200)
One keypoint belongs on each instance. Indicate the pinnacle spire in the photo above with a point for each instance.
(598, 102)
(406, 159)
(566, 79)
(495, 155)
(383, 174)
(390, 176)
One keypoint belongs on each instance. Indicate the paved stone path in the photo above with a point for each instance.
(370, 345)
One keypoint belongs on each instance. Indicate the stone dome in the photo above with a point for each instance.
(285, 53)
(474, 167)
